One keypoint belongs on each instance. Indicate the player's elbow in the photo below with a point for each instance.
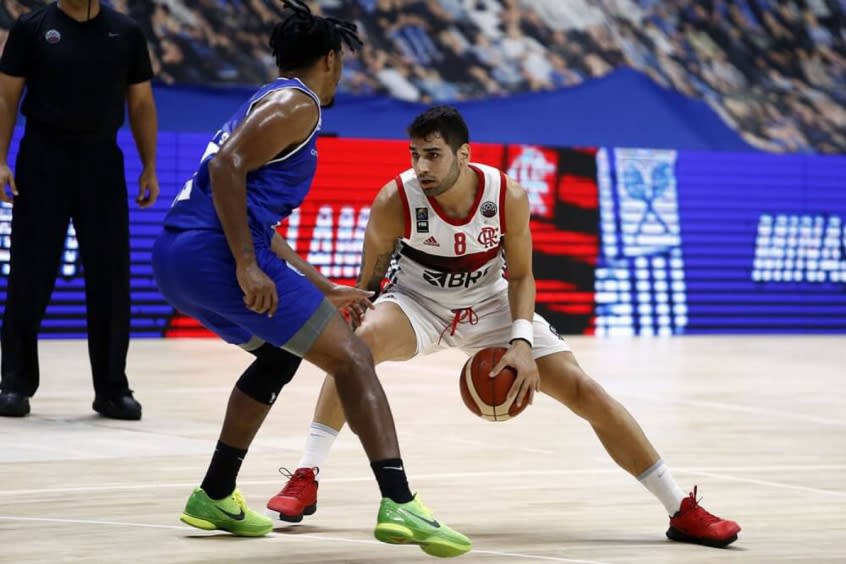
(521, 278)
(523, 285)
(222, 165)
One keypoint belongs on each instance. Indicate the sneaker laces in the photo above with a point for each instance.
(239, 499)
(422, 507)
(461, 315)
(700, 512)
(296, 481)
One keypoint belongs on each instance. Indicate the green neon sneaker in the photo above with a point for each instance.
(413, 523)
(228, 514)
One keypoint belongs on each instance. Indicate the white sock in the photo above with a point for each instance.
(317, 446)
(658, 480)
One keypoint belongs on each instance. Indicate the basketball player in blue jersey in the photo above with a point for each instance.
(221, 261)
(449, 226)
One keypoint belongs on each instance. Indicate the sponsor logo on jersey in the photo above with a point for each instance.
(422, 226)
(432, 242)
(488, 209)
(53, 36)
(454, 279)
(422, 214)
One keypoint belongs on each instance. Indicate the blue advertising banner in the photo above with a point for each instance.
(65, 316)
(626, 241)
(721, 243)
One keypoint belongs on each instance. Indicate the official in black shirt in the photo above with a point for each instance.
(82, 65)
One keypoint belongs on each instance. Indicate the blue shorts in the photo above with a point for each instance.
(195, 272)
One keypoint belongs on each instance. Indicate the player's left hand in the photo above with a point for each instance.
(148, 188)
(519, 357)
(354, 300)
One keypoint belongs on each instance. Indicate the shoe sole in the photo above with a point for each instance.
(391, 533)
(310, 510)
(118, 416)
(209, 526)
(676, 535)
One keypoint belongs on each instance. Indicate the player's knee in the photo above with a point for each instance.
(268, 374)
(572, 386)
(357, 362)
(369, 335)
(360, 356)
(366, 334)
(589, 395)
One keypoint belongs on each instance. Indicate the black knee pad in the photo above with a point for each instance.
(269, 372)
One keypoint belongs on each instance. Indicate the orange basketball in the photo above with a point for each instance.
(483, 395)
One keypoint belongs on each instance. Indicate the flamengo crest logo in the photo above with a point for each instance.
(488, 237)
(534, 172)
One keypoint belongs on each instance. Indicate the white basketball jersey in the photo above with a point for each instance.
(457, 262)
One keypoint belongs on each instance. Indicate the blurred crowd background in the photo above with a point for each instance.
(773, 69)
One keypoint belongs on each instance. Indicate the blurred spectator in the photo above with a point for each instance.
(774, 69)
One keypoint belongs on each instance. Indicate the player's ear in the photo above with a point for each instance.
(464, 153)
(331, 59)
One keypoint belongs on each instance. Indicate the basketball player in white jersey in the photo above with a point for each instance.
(445, 228)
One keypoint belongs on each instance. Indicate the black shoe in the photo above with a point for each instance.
(123, 406)
(13, 404)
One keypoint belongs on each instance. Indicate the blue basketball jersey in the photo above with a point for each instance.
(273, 191)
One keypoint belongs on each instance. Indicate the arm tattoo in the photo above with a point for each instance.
(383, 261)
(374, 283)
(361, 267)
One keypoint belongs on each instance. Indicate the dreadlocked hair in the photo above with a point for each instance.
(302, 38)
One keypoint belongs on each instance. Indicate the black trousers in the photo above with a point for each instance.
(60, 178)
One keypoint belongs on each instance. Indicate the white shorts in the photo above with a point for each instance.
(489, 325)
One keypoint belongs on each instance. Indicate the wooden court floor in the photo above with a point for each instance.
(758, 423)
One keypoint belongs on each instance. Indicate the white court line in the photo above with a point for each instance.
(763, 482)
(88, 522)
(536, 557)
(740, 408)
(711, 472)
(776, 468)
(107, 487)
(306, 537)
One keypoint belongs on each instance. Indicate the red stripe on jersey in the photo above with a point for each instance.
(404, 199)
(464, 263)
(503, 186)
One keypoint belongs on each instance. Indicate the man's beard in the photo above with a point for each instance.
(448, 183)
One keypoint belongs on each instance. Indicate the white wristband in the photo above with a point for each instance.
(522, 329)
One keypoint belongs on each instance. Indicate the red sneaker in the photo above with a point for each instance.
(298, 497)
(693, 524)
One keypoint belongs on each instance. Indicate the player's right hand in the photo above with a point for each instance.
(7, 178)
(259, 290)
(519, 357)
